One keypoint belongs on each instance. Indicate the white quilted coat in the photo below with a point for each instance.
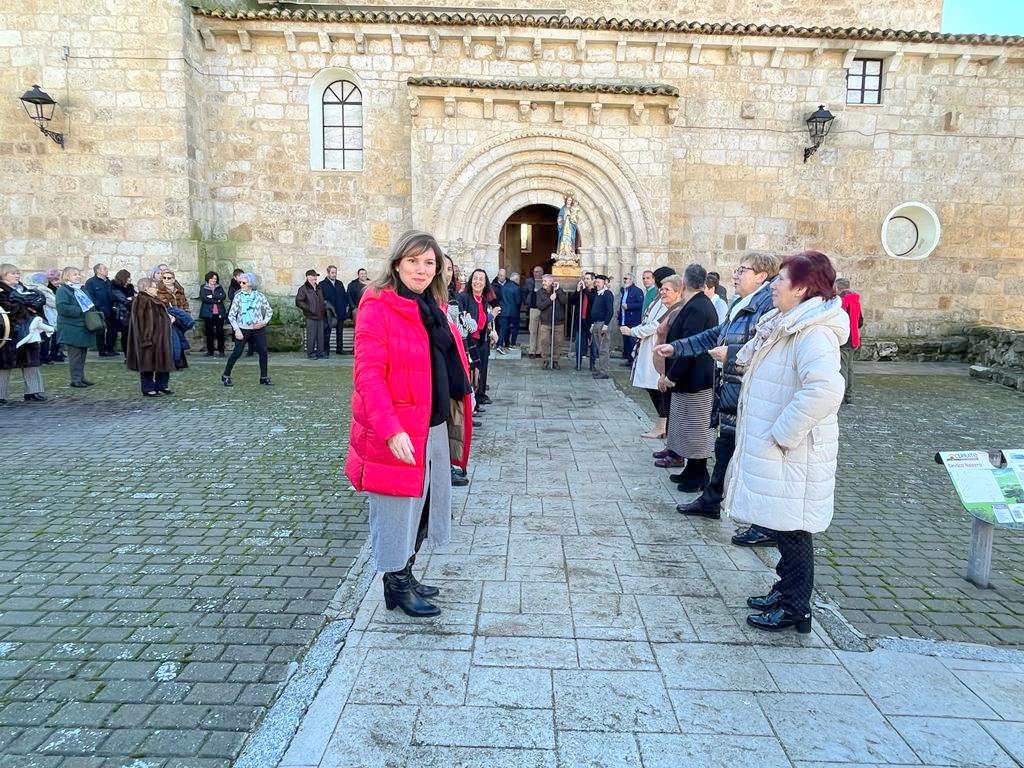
(645, 375)
(791, 393)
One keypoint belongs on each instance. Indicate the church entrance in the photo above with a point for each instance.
(528, 238)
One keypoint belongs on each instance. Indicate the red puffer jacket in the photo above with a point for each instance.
(391, 394)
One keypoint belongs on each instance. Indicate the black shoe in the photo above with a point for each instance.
(88, 383)
(3, 402)
(226, 381)
(35, 398)
(476, 423)
(421, 589)
(764, 603)
(753, 537)
(166, 391)
(398, 593)
(700, 508)
(484, 400)
(777, 620)
(695, 477)
(459, 471)
(458, 481)
(79, 384)
(266, 382)
(479, 411)
(250, 353)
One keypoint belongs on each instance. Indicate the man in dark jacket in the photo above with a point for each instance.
(336, 300)
(601, 313)
(102, 294)
(551, 303)
(310, 299)
(580, 305)
(355, 291)
(631, 304)
(752, 279)
(530, 289)
(511, 298)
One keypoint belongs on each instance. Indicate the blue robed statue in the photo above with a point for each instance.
(568, 229)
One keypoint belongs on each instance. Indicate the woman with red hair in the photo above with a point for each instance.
(783, 475)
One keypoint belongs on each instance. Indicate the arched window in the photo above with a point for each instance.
(343, 127)
(335, 121)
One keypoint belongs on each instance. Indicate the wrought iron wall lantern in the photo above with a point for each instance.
(39, 107)
(818, 126)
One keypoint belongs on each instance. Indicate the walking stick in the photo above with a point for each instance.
(579, 322)
(551, 353)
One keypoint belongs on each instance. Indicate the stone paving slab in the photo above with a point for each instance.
(162, 562)
(893, 559)
(611, 632)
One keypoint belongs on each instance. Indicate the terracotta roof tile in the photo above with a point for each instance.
(601, 24)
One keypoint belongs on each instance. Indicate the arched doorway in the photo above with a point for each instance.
(528, 238)
(471, 206)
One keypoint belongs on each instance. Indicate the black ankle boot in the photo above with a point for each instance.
(695, 477)
(423, 590)
(398, 592)
(765, 602)
(777, 620)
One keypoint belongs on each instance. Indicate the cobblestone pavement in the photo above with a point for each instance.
(162, 561)
(585, 623)
(894, 557)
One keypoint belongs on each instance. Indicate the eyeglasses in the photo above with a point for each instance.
(740, 270)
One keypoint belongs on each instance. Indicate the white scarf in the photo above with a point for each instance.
(742, 303)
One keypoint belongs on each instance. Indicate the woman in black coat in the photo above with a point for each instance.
(479, 301)
(691, 381)
(123, 292)
(22, 306)
(212, 313)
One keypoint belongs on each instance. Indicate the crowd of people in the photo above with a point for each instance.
(56, 316)
(756, 382)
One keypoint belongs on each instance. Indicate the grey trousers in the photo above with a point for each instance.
(314, 336)
(76, 362)
(33, 381)
(846, 369)
(534, 332)
(603, 343)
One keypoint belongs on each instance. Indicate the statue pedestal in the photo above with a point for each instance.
(564, 269)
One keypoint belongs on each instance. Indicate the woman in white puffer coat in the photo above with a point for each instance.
(783, 475)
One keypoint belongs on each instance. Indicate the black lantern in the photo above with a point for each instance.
(818, 126)
(39, 107)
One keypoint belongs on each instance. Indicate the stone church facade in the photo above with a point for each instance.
(279, 137)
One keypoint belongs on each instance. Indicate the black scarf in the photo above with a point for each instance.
(448, 379)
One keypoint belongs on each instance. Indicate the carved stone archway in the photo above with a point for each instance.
(510, 171)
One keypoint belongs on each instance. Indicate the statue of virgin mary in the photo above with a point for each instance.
(568, 223)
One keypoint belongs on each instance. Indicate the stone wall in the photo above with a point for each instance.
(189, 142)
(119, 190)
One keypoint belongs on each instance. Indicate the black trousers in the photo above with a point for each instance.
(339, 337)
(213, 329)
(795, 570)
(106, 339)
(155, 382)
(725, 445)
(255, 338)
(485, 357)
(661, 402)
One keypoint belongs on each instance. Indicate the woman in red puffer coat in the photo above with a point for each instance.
(411, 415)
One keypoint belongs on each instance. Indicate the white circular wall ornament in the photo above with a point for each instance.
(911, 231)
